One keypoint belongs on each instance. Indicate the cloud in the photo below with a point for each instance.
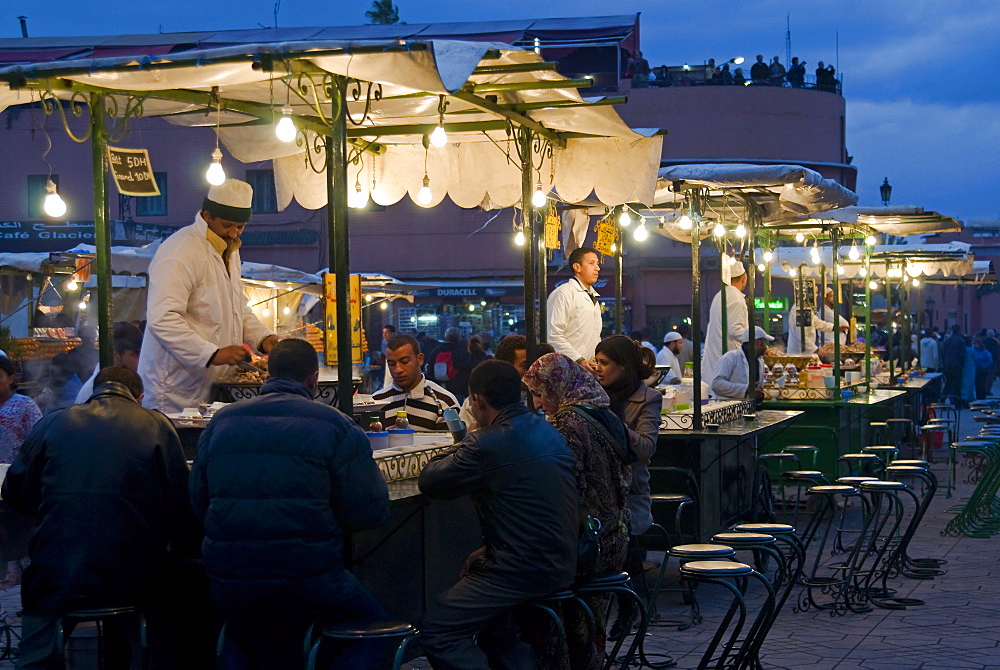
(937, 156)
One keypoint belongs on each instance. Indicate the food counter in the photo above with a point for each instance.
(836, 426)
(722, 465)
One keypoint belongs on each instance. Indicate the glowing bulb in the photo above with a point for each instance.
(853, 254)
(286, 311)
(738, 60)
(840, 269)
(483, 303)
(269, 284)
(357, 199)
(215, 175)
(519, 238)
(741, 230)
(368, 298)
(82, 305)
(71, 285)
(53, 205)
(624, 220)
(538, 198)
(472, 308)
(719, 230)
(871, 241)
(760, 267)
(439, 137)
(614, 247)
(913, 270)
(640, 234)
(916, 282)
(383, 305)
(862, 272)
(873, 284)
(265, 312)
(792, 272)
(768, 255)
(799, 237)
(424, 194)
(285, 130)
(685, 222)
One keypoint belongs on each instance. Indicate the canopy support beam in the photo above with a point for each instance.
(530, 242)
(514, 117)
(695, 214)
(102, 231)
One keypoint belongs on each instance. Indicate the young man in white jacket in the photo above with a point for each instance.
(574, 312)
(196, 311)
(732, 374)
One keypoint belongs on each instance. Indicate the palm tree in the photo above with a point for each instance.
(383, 12)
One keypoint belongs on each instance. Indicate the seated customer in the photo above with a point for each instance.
(732, 374)
(127, 345)
(578, 407)
(512, 349)
(108, 483)
(521, 477)
(423, 401)
(278, 481)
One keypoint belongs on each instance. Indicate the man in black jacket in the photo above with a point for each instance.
(278, 481)
(952, 361)
(108, 483)
(520, 474)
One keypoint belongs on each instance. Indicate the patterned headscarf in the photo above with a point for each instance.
(563, 382)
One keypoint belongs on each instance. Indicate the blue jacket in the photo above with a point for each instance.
(279, 479)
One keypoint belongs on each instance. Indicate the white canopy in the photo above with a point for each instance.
(901, 221)
(484, 85)
(925, 260)
(781, 192)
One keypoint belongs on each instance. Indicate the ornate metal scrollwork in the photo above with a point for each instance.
(77, 102)
(315, 150)
(373, 93)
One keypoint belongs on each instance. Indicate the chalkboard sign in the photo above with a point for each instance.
(132, 171)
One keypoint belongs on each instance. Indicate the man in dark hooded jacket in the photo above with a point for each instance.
(107, 482)
(278, 481)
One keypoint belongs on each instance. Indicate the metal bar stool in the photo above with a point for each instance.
(916, 568)
(99, 615)
(695, 552)
(980, 515)
(658, 538)
(721, 573)
(840, 582)
(862, 465)
(803, 451)
(901, 434)
(927, 431)
(776, 464)
(800, 478)
(379, 630)
(884, 541)
(794, 558)
(842, 529)
(885, 452)
(616, 584)
(878, 431)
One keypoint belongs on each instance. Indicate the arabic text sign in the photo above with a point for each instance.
(132, 171)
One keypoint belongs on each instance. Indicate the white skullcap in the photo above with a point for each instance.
(737, 270)
(230, 200)
(759, 333)
(672, 336)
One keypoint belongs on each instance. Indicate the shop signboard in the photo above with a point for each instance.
(354, 299)
(132, 171)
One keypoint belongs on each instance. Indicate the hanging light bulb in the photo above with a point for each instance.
(357, 199)
(439, 137)
(215, 174)
(761, 267)
(640, 234)
(614, 247)
(286, 310)
(71, 285)
(768, 255)
(741, 230)
(916, 282)
(265, 312)
(862, 271)
(840, 269)
(383, 305)
(53, 205)
(871, 241)
(719, 230)
(538, 198)
(285, 130)
(792, 272)
(799, 237)
(873, 284)
(82, 305)
(424, 194)
(624, 220)
(913, 270)
(472, 308)
(853, 254)
(685, 222)
(519, 238)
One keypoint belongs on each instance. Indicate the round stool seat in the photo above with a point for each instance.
(700, 551)
(742, 538)
(832, 489)
(375, 630)
(778, 457)
(769, 528)
(877, 424)
(904, 469)
(882, 486)
(879, 448)
(854, 481)
(715, 569)
(911, 461)
(899, 421)
(860, 457)
(800, 447)
(802, 474)
(670, 497)
(100, 612)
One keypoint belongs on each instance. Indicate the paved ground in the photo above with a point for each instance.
(958, 627)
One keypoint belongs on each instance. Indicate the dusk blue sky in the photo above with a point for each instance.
(920, 76)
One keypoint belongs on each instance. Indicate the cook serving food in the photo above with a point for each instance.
(196, 310)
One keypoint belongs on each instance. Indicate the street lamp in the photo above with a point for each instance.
(886, 190)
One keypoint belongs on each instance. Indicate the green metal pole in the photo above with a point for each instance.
(888, 325)
(619, 310)
(695, 215)
(800, 299)
(102, 232)
(835, 283)
(543, 284)
(868, 318)
(724, 305)
(751, 226)
(530, 248)
(339, 239)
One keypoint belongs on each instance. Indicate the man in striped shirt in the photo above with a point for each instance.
(423, 400)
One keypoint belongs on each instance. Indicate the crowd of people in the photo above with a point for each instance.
(970, 363)
(762, 73)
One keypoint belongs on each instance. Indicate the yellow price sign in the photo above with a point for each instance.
(607, 236)
(552, 227)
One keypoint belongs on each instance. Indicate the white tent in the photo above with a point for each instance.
(924, 260)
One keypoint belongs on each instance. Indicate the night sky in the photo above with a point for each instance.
(920, 76)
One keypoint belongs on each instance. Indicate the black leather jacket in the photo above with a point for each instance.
(520, 474)
(107, 481)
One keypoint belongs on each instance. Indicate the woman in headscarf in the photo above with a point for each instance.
(577, 407)
(622, 365)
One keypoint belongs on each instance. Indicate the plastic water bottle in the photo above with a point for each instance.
(455, 424)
